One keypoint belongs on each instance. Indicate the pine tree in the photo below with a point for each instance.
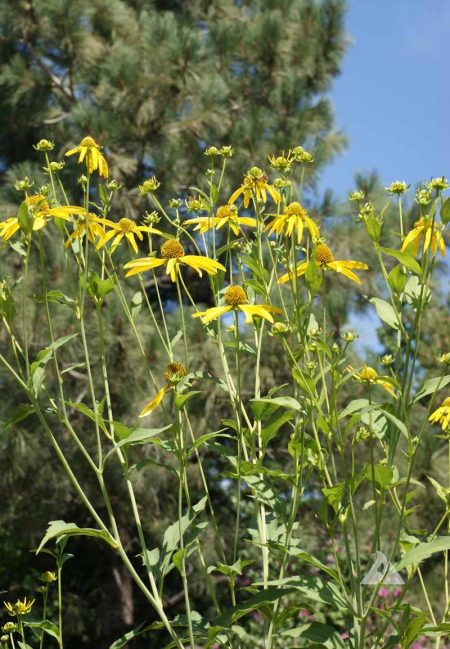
(157, 81)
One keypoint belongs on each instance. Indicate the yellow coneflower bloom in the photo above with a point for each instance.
(20, 607)
(369, 375)
(90, 224)
(235, 299)
(295, 216)
(442, 414)
(124, 228)
(40, 212)
(431, 233)
(89, 151)
(225, 215)
(173, 374)
(255, 186)
(323, 258)
(173, 255)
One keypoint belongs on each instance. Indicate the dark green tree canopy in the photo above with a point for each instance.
(155, 81)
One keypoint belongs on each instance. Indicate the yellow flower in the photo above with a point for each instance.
(173, 374)
(20, 607)
(255, 186)
(295, 217)
(91, 224)
(89, 151)
(369, 375)
(226, 214)
(442, 414)
(173, 255)
(428, 230)
(40, 212)
(323, 258)
(235, 298)
(124, 228)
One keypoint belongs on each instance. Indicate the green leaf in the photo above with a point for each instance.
(183, 397)
(313, 588)
(271, 428)
(136, 305)
(141, 435)
(423, 551)
(335, 495)
(283, 402)
(254, 603)
(233, 570)
(386, 312)
(85, 410)
(405, 259)
(37, 368)
(19, 413)
(123, 640)
(445, 211)
(313, 277)
(397, 279)
(381, 474)
(431, 385)
(56, 296)
(318, 633)
(24, 218)
(373, 227)
(46, 626)
(59, 529)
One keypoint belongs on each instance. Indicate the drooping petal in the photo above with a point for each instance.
(141, 265)
(211, 314)
(258, 310)
(39, 221)
(299, 270)
(411, 236)
(172, 268)
(343, 270)
(131, 240)
(154, 403)
(199, 263)
(235, 195)
(273, 192)
(72, 151)
(313, 228)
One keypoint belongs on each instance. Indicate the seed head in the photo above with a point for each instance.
(235, 295)
(172, 249)
(295, 209)
(126, 225)
(174, 372)
(226, 211)
(323, 255)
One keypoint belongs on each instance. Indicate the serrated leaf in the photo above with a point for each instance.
(445, 211)
(318, 633)
(431, 385)
(136, 305)
(423, 551)
(183, 397)
(59, 529)
(141, 435)
(386, 312)
(405, 259)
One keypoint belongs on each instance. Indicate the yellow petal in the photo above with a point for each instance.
(339, 268)
(132, 241)
(154, 403)
(199, 263)
(211, 314)
(411, 236)
(251, 310)
(299, 270)
(235, 194)
(141, 265)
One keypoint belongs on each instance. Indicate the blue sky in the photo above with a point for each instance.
(393, 96)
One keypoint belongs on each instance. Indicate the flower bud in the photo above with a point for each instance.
(350, 336)
(423, 197)
(212, 151)
(149, 186)
(438, 184)
(55, 166)
(444, 358)
(301, 155)
(387, 359)
(398, 187)
(113, 185)
(227, 151)
(24, 184)
(356, 196)
(44, 145)
(175, 203)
